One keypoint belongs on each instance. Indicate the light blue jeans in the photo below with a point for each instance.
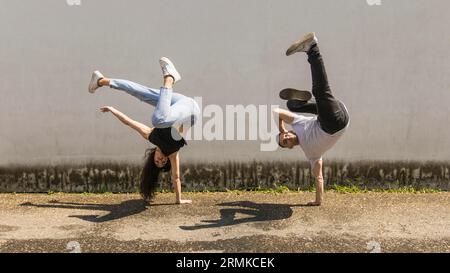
(170, 108)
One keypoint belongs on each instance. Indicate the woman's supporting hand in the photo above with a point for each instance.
(314, 204)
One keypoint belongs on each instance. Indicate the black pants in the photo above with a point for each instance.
(332, 115)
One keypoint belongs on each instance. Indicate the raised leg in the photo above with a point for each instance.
(143, 93)
(332, 115)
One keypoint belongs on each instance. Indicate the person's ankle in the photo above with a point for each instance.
(313, 49)
(103, 82)
(169, 78)
(169, 81)
(99, 82)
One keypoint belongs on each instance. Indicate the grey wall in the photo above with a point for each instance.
(388, 63)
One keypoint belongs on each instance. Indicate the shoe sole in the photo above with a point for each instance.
(92, 85)
(293, 48)
(294, 94)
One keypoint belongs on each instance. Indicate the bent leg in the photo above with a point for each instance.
(162, 115)
(331, 115)
(141, 92)
(183, 112)
(298, 106)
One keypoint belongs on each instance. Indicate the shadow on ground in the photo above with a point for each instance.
(257, 212)
(116, 211)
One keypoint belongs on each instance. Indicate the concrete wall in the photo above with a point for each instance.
(388, 63)
(116, 177)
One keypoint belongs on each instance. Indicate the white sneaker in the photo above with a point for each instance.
(93, 85)
(303, 45)
(169, 69)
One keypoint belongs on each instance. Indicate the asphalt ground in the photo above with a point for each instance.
(226, 222)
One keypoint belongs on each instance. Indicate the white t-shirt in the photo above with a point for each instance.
(312, 139)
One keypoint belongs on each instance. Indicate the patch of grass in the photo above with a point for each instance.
(408, 190)
(429, 191)
(87, 193)
(276, 190)
(356, 189)
(311, 188)
(348, 189)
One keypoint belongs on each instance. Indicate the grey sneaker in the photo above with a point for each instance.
(303, 45)
(169, 69)
(93, 85)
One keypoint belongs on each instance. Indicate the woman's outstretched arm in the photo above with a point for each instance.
(175, 163)
(142, 129)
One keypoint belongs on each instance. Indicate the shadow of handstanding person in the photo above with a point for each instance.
(116, 211)
(257, 213)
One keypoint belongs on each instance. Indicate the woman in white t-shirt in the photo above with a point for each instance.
(315, 135)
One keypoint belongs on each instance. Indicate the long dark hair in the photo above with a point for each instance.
(150, 175)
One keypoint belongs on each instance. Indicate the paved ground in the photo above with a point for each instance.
(226, 222)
